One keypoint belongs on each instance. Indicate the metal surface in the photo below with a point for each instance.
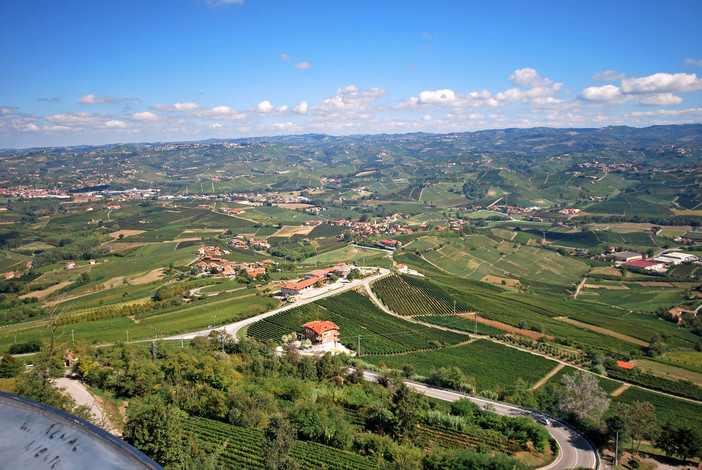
(37, 436)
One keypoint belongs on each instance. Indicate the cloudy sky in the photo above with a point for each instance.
(94, 72)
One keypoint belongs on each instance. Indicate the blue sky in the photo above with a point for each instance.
(86, 72)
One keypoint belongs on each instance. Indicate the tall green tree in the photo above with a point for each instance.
(640, 418)
(157, 430)
(280, 439)
(405, 409)
(10, 366)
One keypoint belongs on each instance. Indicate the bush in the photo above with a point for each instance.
(25, 348)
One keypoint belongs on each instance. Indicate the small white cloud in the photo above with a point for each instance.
(114, 123)
(443, 97)
(660, 99)
(94, 99)
(285, 57)
(301, 108)
(609, 76)
(603, 94)
(663, 83)
(303, 65)
(4, 110)
(426, 117)
(265, 107)
(145, 116)
(528, 77)
(178, 107)
(693, 62)
(216, 125)
(221, 113)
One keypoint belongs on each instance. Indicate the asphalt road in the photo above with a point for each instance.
(575, 450)
(233, 328)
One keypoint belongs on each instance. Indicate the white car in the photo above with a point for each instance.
(544, 420)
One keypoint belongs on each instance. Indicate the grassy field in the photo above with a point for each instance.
(350, 254)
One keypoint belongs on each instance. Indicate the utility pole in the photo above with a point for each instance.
(475, 328)
(454, 307)
(127, 336)
(181, 343)
(153, 350)
(222, 337)
(616, 450)
(358, 349)
(73, 338)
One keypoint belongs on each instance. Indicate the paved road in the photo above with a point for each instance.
(575, 450)
(233, 328)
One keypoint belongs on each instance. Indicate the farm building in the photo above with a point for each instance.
(677, 313)
(675, 258)
(646, 265)
(342, 269)
(389, 243)
(294, 288)
(321, 331)
(318, 273)
(627, 256)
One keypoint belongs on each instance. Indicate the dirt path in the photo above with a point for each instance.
(604, 331)
(547, 377)
(40, 294)
(535, 335)
(580, 286)
(79, 392)
(620, 390)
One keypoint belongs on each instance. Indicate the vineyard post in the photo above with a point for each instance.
(358, 349)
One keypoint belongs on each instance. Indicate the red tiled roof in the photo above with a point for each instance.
(640, 263)
(320, 326)
(300, 285)
(625, 365)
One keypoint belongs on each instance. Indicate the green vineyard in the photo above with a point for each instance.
(356, 316)
(413, 296)
(244, 448)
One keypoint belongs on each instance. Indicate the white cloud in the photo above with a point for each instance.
(693, 62)
(146, 116)
(349, 100)
(5, 110)
(265, 107)
(216, 125)
(94, 99)
(609, 76)
(76, 119)
(444, 97)
(285, 57)
(662, 83)
(426, 117)
(178, 107)
(302, 65)
(301, 108)
(604, 94)
(659, 99)
(528, 77)
(221, 112)
(114, 123)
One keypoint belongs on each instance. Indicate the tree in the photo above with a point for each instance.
(667, 439)
(582, 396)
(9, 366)
(405, 410)
(688, 442)
(640, 418)
(157, 430)
(617, 430)
(280, 439)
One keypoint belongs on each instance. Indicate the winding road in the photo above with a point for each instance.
(575, 451)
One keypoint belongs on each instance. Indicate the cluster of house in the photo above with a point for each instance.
(569, 211)
(386, 226)
(220, 267)
(241, 242)
(29, 192)
(658, 263)
(312, 277)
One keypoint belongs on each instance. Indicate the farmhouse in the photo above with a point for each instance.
(389, 243)
(677, 313)
(627, 256)
(342, 269)
(321, 331)
(319, 273)
(625, 365)
(646, 265)
(294, 288)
